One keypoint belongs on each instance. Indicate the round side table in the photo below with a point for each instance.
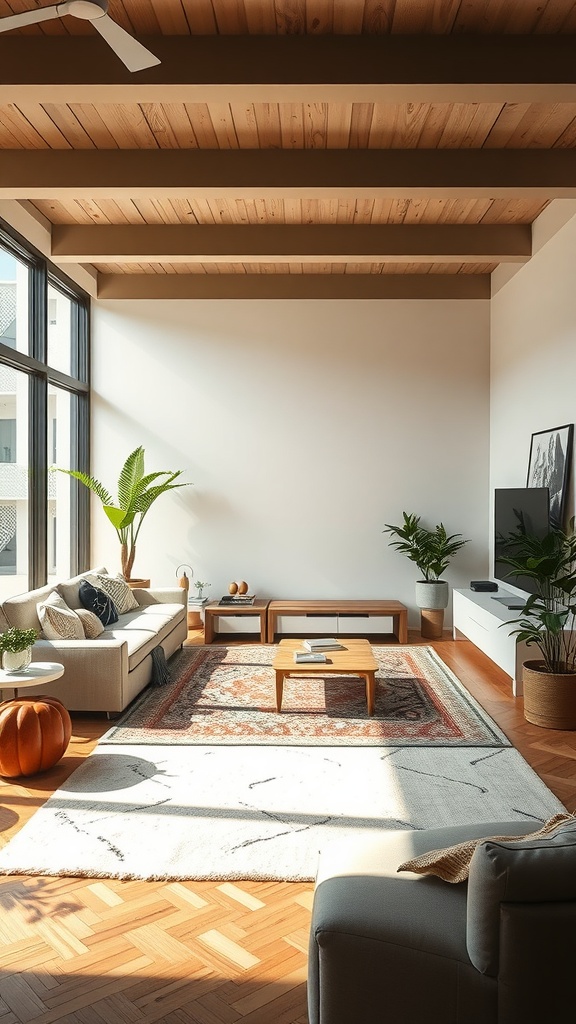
(37, 673)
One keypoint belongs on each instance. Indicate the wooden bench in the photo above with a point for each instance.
(341, 610)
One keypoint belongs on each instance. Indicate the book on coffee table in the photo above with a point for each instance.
(323, 644)
(309, 657)
(241, 599)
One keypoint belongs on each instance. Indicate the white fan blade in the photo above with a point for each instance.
(135, 56)
(28, 18)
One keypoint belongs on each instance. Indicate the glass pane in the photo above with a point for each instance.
(59, 330)
(13, 482)
(14, 284)
(59, 485)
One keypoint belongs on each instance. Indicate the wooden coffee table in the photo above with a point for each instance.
(356, 659)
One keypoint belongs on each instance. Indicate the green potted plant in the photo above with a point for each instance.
(432, 551)
(16, 648)
(548, 621)
(137, 491)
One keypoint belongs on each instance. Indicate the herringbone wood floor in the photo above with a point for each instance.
(95, 950)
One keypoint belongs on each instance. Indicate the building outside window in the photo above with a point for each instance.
(44, 410)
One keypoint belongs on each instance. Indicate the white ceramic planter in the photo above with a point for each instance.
(16, 661)
(432, 595)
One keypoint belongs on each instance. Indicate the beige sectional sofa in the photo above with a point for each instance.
(107, 673)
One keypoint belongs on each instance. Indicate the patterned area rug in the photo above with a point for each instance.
(226, 695)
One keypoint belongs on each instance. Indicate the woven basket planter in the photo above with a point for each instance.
(549, 698)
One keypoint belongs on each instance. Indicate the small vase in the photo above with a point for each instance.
(16, 661)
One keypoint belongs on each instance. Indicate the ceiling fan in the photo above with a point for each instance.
(135, 56)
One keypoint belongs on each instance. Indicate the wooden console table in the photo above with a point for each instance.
(340, 610)
(214, 611)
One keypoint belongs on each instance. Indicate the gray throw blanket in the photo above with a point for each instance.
(160, 672)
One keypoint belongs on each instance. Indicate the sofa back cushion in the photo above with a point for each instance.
(69, 589)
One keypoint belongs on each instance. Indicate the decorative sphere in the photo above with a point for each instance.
(242, 587)
(232, 588)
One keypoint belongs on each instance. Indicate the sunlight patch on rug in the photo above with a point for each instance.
(226, 695)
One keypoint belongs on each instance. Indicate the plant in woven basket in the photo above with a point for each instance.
(548, 618)
(16, 640)
(137, 491)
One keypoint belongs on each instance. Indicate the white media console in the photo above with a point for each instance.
(479, 618)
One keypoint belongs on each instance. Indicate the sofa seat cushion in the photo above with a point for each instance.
(141, 633)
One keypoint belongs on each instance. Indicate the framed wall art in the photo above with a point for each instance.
(549, 466)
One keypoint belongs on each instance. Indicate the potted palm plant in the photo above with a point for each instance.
(137, 491)
(432, 551)
(548, 621)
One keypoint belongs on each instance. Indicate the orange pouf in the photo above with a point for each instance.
(34, 734)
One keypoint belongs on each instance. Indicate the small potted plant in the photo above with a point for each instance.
(547, 620)
(200, 587)
(432, 551)
(16, 648)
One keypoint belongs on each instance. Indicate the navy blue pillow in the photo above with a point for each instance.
(98, 602)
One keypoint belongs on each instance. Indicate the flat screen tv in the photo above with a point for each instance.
(513, 507)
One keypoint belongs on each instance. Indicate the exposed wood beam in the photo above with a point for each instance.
(293, 286)
(293, 243)
(269, 173)
(295, 68)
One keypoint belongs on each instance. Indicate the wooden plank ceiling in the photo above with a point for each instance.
(305, 148)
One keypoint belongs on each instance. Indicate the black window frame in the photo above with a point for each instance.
(40, 376)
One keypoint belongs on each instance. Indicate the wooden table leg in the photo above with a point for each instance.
(279, 688)
(271, 626)
(264, 626)
(208, 627)
(400, 626)
(370, 691)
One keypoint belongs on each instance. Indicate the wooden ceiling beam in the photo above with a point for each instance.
(293, 243)
(293, 286)
(456, 68)
(272, 173)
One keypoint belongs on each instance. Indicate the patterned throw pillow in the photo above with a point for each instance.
(91, 623)
(117, 589)
(58, 621)
(98, 602)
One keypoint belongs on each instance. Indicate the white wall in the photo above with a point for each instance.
(533, 357)
(305, 427)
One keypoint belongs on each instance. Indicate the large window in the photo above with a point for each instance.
(44, 416)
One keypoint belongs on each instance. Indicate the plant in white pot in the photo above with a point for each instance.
(548, 621)
(137, 491)
(432, 551)
(16, 648)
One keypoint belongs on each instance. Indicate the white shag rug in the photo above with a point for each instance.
(162, 812)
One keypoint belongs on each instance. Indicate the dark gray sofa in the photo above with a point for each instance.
(412, 949)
